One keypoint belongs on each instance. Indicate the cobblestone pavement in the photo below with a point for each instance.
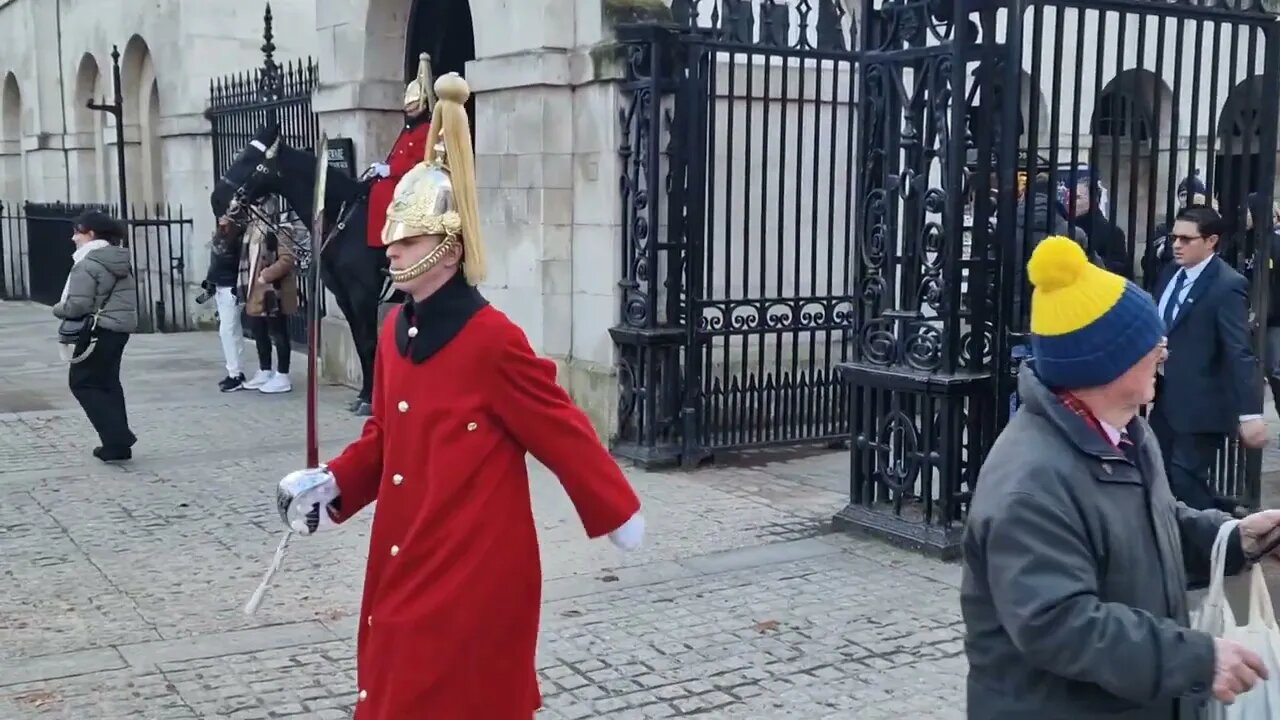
(122, 587)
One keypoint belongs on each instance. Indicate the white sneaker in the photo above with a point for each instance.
(262, 377)
(277, 384)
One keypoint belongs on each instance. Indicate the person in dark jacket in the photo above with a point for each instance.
(1071, 608)
(1158, 253)
(221, 282)
(1106, 241)
(100, 286)
(1259, 207)
(1039, 215)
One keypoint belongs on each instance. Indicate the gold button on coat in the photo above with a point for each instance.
(397, 479)
(413, 332)
(471, 426)
(364, 694)
(403, 406)
(395, 550)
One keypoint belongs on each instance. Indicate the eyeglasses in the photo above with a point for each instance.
(1185, 238)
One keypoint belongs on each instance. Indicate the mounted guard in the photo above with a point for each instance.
(449, 617)
(409, 148)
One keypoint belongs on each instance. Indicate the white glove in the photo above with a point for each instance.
(631, 534)
(303, 498)
(381, 169)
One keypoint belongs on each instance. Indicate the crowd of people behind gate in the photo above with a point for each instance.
(1194, 259)
(1090, 523)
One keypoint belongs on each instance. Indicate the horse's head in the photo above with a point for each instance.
(254, 174)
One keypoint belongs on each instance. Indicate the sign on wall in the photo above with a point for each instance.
(342, 155)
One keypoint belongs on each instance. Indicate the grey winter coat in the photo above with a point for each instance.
(103, 279)
(1076, 562)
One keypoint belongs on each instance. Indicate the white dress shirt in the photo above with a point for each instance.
(1193, 274)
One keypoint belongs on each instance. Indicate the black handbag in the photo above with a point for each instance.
(71, 332)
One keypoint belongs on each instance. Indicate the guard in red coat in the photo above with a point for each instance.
(408, 150)
(452, 591)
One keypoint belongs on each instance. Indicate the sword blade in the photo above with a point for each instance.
(313, 307)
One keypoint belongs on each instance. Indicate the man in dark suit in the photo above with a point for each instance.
(1210, 384)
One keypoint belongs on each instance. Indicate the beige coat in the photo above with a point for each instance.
(272, 260)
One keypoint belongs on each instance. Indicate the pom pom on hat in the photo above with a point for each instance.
(1056, 263)
(1088, 325)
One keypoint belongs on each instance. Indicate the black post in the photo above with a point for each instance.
(116, 110)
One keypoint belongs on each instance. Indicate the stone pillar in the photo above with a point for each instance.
(359, 96)
(546, 144)
(188, 173)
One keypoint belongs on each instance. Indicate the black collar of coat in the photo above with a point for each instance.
(438, 319)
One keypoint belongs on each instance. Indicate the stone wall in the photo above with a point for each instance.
(53, 149)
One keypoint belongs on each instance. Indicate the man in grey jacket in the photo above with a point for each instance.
(1076, 554)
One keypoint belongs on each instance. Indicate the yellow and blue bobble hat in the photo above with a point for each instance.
(1088, 325)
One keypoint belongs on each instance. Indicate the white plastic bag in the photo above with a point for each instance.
(1260, 634)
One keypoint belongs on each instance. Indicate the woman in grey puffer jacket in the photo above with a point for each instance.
(101, 281)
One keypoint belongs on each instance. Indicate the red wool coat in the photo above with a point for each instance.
(409, 149)
(452, 593)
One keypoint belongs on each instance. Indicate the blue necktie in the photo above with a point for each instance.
(1172, 306)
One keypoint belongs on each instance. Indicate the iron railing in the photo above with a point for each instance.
(36, 249)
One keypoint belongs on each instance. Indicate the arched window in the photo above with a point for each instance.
(1121, 114)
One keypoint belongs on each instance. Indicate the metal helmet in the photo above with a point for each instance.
(419, 96)
(438, 196)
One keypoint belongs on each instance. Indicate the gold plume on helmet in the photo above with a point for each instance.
(438, 196)
(419, 97)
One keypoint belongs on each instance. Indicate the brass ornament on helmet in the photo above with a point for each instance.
(419, 96)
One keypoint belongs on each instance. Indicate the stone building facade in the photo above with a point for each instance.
(544, 105)
(546, 112)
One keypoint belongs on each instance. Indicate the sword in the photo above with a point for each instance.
(314, 289)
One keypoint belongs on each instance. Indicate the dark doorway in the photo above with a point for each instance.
(441, 28)
(1234, 177)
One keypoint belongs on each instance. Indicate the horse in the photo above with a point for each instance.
(354, 272)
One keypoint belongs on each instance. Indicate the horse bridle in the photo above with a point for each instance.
(240, 199)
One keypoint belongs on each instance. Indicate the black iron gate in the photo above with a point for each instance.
(737, 177)
(1127, 96)
(156, 238)
(241, 103)
(795, 203)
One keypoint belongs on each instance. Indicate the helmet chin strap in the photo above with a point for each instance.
(428, 261)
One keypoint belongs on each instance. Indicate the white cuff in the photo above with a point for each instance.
(1246, 418)
(631, 534)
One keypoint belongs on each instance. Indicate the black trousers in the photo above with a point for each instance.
(1188, 462)
(95, 383)
(269, 330)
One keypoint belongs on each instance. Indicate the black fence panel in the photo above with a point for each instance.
(158, 237)
(738, 150)
(49, 246)
(36, 253)
(13, 244)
